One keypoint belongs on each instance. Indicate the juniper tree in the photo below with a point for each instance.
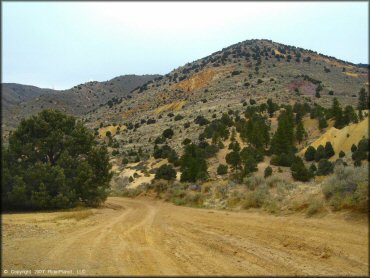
(52, 161)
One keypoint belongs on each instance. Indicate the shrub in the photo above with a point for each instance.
(233, 158)
(313, 169)
(200, 120)
(255, 199)
(315, 206)
(165, 172)
(347, 188)
(222, 169)
(178, 117)
(160, 140)
(168, 133)
(363, 145)
(325, 167)
(268, 171)
(253, 182)
(186, 141)
(342, 154)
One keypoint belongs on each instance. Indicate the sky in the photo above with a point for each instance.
(61, 44)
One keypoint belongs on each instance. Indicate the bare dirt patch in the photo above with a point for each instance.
(146, 237)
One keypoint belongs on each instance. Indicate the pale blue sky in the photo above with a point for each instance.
(61, 44)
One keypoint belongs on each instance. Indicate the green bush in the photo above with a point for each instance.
(222, 169)
(165, 172)
(329, 151)
(178, 117)
(268, 171)
(299, 170)
(193, 164)
(52, 161)
(309, 155)
(324, 168)
(200, 120)
(320, 153)
(168, 133)
(186, 141)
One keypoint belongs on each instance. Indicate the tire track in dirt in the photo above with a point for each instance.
(148, 237)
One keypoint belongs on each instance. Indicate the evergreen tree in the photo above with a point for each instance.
(342, 154)
(268, 171)
(271, 107)
(165, 172)
(250, 165)
(299, 171)
(312, 169)
(52, 161)
(320, 153)
(353, 148)
(360, 115)
(234, 146)
(283, 139)
(337, 113)
(233, 158)
(325, 167)
(363, 102)
(193, 164)
(329, 151)
(322, 123)
(349, 115)
(300, 132)
(256, 131)
(310, 153)
(222, 169)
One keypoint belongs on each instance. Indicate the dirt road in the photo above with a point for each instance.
(146, 237)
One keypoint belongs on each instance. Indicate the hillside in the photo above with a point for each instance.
(22, 101)
(343, 139)
(227, 81)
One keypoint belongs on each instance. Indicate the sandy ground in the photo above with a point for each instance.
(147, 237)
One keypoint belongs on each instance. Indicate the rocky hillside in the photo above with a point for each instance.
(230, 79)
(22, 101)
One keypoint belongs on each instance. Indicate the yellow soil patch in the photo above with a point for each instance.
(330, 61)
(197, 81)
(278, 52)
(112, 129)
(201, 79)
(352, 74)
(339, 139)
(135, 110)
(174, 106)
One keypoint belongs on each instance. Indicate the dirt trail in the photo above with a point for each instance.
(146, 237)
